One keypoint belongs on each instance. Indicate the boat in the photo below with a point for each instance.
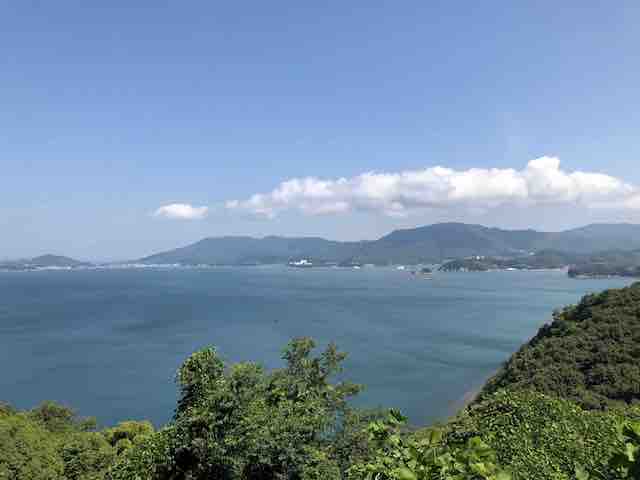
(303, 263)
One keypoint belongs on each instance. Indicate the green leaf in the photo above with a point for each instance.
(503, 476)
(581, 473)
(403, 473)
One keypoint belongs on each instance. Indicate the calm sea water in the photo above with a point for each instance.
(109, 342)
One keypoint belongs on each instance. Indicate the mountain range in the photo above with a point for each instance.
(428, 244)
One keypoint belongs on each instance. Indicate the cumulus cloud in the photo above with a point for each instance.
(541, 182)
(181, 211)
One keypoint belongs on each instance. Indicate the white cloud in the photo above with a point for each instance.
(541, 182)
(181, 211)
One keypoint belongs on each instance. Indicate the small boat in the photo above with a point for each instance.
(303, 263)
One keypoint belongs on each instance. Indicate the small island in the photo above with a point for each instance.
(44, 262)
(542, 260)
(613, 263)
(604, 270)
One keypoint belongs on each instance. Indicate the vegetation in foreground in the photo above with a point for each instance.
(563, 408)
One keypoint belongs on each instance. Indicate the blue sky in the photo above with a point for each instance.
(109, 113)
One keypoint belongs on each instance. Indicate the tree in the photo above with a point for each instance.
(86, 456)
(57, 418)
(27, 450)
(244, 423)
(126, 434)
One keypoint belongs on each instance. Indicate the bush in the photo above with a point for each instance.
(626, 461)
(537, 436)
(425, 456)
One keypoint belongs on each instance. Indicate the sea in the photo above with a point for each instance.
(109, 342)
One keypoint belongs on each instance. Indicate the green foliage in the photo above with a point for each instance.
(57, 418)
(589, 354)
(51, 442)
(351, 442)
(150, 459)
(6, 409)
(537, 436)
(86, 456)
(127, 434)
(626, 461)
(242, 422)
(424, 457)
(27, 450)
(317, 464)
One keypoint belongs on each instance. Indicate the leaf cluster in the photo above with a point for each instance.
(425, 457)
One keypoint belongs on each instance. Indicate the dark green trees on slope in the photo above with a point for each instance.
(590, 353)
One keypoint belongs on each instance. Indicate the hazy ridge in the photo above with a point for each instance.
(432, 243)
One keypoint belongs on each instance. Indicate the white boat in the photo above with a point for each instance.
(303, 263)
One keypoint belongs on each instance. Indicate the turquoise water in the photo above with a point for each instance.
(109, 342)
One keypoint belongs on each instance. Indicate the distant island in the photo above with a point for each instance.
(603, 270)
(44, 262)
(601, 264)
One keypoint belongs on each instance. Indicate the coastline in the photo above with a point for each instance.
(470, 395)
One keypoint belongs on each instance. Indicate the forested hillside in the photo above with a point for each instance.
(590, 353)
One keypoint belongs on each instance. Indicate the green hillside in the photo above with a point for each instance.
(589, 354)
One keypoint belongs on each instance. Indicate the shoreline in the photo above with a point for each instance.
(470, 395)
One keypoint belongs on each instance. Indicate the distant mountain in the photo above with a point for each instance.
(252, 251)
(435, 243)
(44, 261)
(428, 244)
(599, 237)
(56, 261)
